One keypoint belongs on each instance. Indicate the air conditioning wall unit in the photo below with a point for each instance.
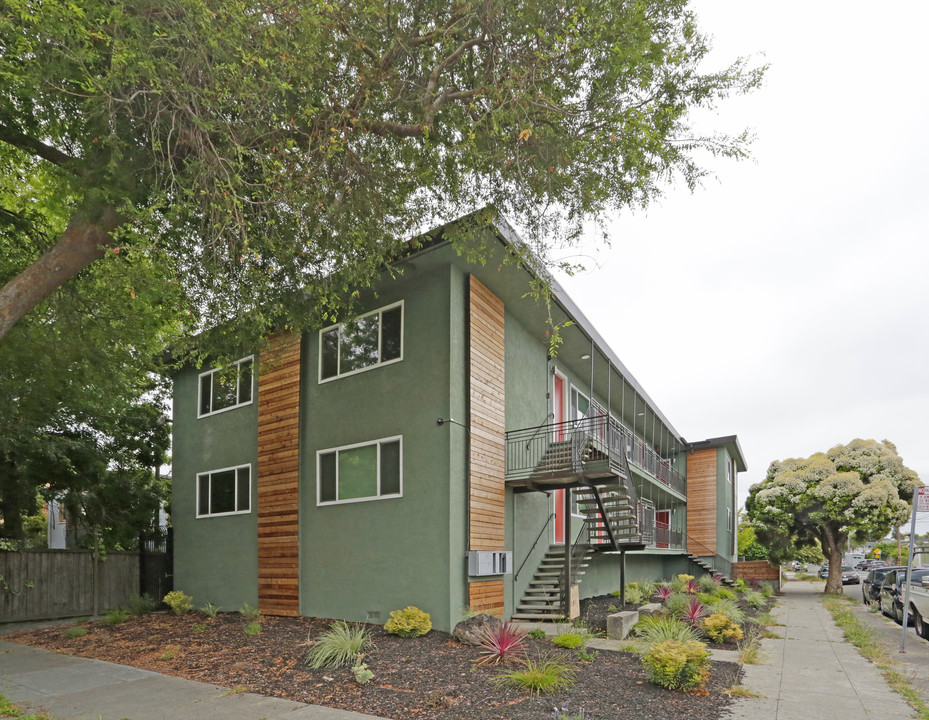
(490, 562)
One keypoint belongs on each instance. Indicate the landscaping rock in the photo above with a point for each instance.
(469, 631)
(618, 625)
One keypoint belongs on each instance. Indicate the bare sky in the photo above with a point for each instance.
(786, 301)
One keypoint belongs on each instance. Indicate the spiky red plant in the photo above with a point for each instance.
(502, 642)
(693, 587)
(717, 578)
(694, 612)
(664, 592)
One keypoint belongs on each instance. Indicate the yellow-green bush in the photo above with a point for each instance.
(726, 594)
(719, 628)
(677, 665)
(179, 602)
(409, 622)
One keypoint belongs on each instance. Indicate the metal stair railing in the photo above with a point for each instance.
(529, 554)
(578, 550)
(715, 561)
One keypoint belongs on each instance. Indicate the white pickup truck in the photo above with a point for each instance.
(919, 601)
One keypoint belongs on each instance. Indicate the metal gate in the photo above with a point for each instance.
(156, 562)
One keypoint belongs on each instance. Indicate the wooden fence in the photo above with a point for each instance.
(47, 584)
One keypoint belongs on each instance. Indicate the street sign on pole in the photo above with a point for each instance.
(920, 504)
(922, 498)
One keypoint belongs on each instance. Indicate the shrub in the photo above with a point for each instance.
(754, 599)
(677, 603)
(727, 594)
(362, 674)
(720, 629)
(569, 641)
(116, 616)
(691, 587)
(658, 628)
(585, 655)
(663, 591)
(740, 585)
(145, 603)
(677, 665)
(252, 629)
(198, 627)
(250, 613)
(75, 631)
(179, 602)
(409, 622)
(338, 646)
(209, 610)
(634, 594)
(708, 584)
(766, 589)
(536, 634)
(541, 675)
(501, 642)
(729, 608)
(678, 585)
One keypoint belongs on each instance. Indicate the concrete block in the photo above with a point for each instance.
(618, 625)
(649, 608)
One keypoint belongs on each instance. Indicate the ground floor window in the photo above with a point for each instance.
(224, 492)
(365, 471)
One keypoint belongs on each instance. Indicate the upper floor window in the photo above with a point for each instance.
(372, 339)
(367, 471)
(224, 492)
(227, 387)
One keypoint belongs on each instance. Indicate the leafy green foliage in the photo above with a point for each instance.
(569, 641)
(339, 646)
(145, 603)
(726, 594)
(677, 603)
(210, 610)
(677, 665)
(249, 613)
(729, 608)
(755, 599)
(180, 602)
(253, 628)
(75, 631)
(409, 622)
(859, 490)
(541, 675)
(708, 584)
(536, 634)
(116, 616)
(361, 673)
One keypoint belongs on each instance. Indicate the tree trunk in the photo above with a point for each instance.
(84, 240)
(833, 544)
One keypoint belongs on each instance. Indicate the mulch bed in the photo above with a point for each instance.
(432, 677)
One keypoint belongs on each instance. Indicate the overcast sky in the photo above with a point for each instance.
(786, 301)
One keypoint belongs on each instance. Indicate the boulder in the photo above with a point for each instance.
(469, 631)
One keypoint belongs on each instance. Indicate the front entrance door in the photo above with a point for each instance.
(663, 528)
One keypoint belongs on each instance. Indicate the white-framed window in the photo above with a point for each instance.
(227, 387)
(360, 472)
(368, 341)
(729, 471)
(729, 519)
(227, 491)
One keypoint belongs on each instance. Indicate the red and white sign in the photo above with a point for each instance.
(922, 498)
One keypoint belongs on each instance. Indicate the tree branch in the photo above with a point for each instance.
(35, 147)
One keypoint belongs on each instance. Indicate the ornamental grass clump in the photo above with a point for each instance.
(658, 628)
(720, 629)
(677, 665)
(708, 584)
(754, 599)
(729, 608)
(541, 675)
(410, 622)
(180, 602)
(339, 646)
(502, 643)
(677, 603)
(727, 594)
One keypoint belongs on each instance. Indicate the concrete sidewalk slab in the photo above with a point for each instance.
(812, 672)
(73, 688)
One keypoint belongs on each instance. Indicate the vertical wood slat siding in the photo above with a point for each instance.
(701, 498)
(49, 584)
(278, 458)
(487, 426)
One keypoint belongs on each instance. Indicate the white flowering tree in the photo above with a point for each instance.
(859, 491)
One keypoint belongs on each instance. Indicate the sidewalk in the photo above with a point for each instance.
(812, 672)
(72, 688)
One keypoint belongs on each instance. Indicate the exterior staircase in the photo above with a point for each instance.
(542, 600)
(610, 514)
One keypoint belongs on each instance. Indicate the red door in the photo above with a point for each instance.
(662, 528)
(559, 435)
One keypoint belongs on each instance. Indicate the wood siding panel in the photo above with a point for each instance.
(487, 596)
(278, 476)
(701, 500)
(487, 423)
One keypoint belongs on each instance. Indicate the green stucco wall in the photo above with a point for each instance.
(725, 499)
(215, 558)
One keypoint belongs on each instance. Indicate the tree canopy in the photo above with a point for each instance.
(857, 491)
(264, 160)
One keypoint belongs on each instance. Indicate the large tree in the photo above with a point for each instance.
(259, 151)
(857, 491)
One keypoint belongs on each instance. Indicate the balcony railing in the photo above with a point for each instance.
(571, 448)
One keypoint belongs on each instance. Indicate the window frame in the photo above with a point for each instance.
(380, 326)
(380, 441)
(238, 378)
(210, 473)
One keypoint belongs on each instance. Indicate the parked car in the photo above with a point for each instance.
(871, 585)
(865, 564)
(919, 603)
(824, 571)
(796, 566)
(850, 575)
(890, 601)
